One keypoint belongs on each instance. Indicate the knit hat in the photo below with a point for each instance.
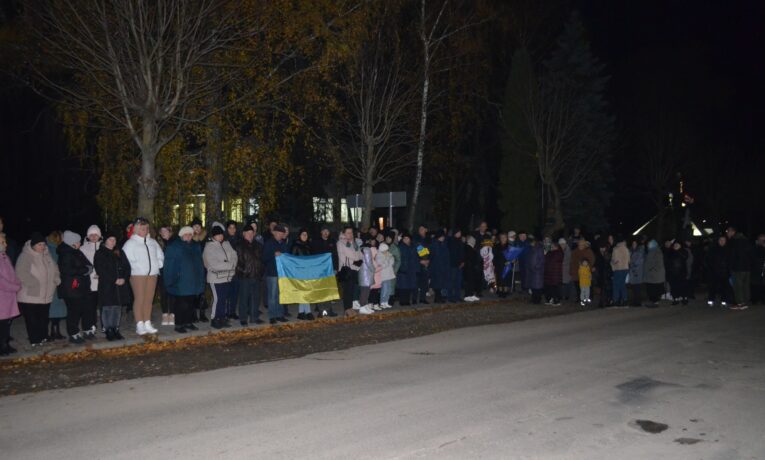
(511, 234)
(217, 230)
(111, 234)
(383, 247)
(247, 228)
(562, 241)
(93, 230)
(185, 230)
(71, 238)
(35, 238)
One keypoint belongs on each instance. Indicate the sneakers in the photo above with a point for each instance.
(89, 335)
(710, 303)
(76, 339)
(385, 305)
(366, 310)
(149, 328)
(471, 298)
(172, 319)
(356, 305)
(140, 328)
(723, 304)
(376, 307)
(165, 319)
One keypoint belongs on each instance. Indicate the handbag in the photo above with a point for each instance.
(343, 273)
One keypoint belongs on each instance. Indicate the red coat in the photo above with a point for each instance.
(554, 268)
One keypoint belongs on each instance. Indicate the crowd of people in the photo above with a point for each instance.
(88, 282)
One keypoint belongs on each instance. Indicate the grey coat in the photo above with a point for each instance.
(637, 260)
(653, 267)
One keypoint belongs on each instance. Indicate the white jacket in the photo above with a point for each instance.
(144, 254)
(385, 261)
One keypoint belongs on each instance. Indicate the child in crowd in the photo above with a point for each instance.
(385, 261)
(585, 281)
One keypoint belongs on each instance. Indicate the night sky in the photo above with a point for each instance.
(703, 57)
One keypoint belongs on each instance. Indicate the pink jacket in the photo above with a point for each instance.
(9, 286)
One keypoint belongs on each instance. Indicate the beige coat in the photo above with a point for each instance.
(620, 257)
(38, 274)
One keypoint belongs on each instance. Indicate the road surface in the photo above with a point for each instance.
(569, 387)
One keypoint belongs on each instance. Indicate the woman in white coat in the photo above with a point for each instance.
(146, 258)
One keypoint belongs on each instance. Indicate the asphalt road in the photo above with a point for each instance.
(567, 387)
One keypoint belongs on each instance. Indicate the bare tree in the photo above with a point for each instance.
(434, 29)
(135, 65)
(374, 140)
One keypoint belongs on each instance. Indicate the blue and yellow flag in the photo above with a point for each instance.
(306, 279)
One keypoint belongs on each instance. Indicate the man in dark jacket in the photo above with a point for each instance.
(718, 272)
(325, 244)
(740, 253)
(439, 266)
(249, 273)
(272, 249)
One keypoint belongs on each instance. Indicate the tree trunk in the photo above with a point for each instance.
(147, 182)
(453, 202)
(558, 223)
(366, 215)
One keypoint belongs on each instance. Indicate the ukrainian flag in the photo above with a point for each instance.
(306, 279)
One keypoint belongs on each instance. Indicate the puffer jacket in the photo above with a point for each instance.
(75, 272)
(637, 260)
(577, 256)
(620, 257)
(347, 254)
(249, 264)
(184, 273)
(385, 262)
(144, 254)
(653, 267)
(367, 269)
(9, 286)
(38, 274)
(220, 261)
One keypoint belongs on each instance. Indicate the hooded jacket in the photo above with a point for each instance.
(385, 262)
(144, 254)
(75, 272)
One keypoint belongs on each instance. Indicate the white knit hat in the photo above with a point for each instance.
(71, 238)
(93, 230)
(384, 247)
(185, 230)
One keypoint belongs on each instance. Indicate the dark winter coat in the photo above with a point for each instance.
(602, 274)
(301, 248)
(270, 248)
(718, 266)
(184, 271)
(554, 268)
(740, 253)
(653, 267)
(637, 260)
(439, 264)
(75, 272)
(758, 266)
(406, 278)
(322, 246)
(111, 265)
(677, 269)
(535, 266)
(249, 262)
(456, 252)
(472, 272)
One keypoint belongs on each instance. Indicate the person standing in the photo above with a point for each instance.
(718, 273)
(220, 261)
(11, 249)
(553, 279)
(637, 260)
(165, 302)
(406, 277)
(183, 275)
(566, 286)
(456, 249)
(75, 272)
(57, 306)
(113, 289)
(325, 244)
(535, 269)
(584, 276)
(249, 273)
(740, 263)
(146, 259)
(439, 266)
(199, 238)
(273, 248)
(89, 247)
(233, 238)
(302, 247)
(653, 273)
(620, 265)
(349, 260)
(582, 252)
(677, 273)
(385, 261)
(421, 242)
(10, 284)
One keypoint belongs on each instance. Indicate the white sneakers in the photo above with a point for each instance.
(144, 327)
(366, 310)
(356, 305)
(168, 319)
(376, 307)
(471, 298)
(385, 305)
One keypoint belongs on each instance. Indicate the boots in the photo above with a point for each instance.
(110, 334)
(55, 330)
(202, 317)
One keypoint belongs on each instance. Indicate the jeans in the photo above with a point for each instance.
(249, 299)
(619, 280)
(386, 291)
(275, 309)
(584, 293)
(455, 285)
(221, 298)
(110, 316)
(304, 308)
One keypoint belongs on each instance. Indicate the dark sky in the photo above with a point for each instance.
(704, 58)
